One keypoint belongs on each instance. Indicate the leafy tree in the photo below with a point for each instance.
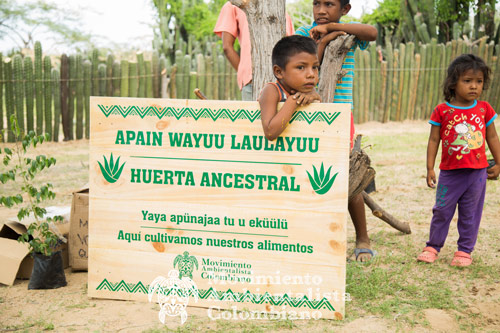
(386, 17)
(420, 20)
(24, 22)
(22, 170)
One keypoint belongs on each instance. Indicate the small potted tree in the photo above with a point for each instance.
(21, 169)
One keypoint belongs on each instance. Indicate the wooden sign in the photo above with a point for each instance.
(195, 186)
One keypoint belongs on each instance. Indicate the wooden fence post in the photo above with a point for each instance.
(116, 79)
(47, 86)
(141, 90)
(71, 95)
(56, 90)
(155, 60)
(64, 96)
(133, 73)
(101, 75)
(19, 91)
(9, 97)
(79, 96)
(28, 93)
(109, 75)
(87, 90)
(39, 88)
(95, 64)
(124, 68)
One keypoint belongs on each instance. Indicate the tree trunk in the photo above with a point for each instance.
(266, 22)
(331, 67)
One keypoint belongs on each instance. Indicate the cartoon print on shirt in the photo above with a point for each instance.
(467, 139)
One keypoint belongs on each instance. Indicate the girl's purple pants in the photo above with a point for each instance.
(465, 188)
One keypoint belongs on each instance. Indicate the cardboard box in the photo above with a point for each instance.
(79, 230)
(15, 260)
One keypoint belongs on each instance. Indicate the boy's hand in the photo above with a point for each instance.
(318, 31)
(329, 37)
(493, 172)
(431, 178)
(303, 98)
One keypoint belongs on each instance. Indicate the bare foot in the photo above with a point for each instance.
(363, 257)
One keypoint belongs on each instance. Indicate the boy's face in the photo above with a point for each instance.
(300, 74)
(327, 11)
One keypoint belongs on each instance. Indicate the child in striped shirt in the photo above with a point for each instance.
(325, 28)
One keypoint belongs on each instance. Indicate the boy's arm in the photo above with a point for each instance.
(361, 31)
(229, 51)
(274, 122)
(432, 149)
(494, 145)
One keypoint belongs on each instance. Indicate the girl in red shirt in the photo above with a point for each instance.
(462, 124)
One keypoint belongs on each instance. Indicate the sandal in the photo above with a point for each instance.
(461, 259)
(429, 255)
(358, 251)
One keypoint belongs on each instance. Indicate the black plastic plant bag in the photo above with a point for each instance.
(48, 272)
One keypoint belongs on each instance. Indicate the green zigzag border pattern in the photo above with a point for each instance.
(214, 114)
(227, 295)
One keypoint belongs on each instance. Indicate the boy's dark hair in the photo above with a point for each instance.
(459, 66)
(344, 2)
(289, 46)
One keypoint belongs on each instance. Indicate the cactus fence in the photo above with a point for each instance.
(52, 94)
(395, 84)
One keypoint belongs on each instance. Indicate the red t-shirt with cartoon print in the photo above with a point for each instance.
(463, 134)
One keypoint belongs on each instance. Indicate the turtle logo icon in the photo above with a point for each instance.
(186, 264)
(173, 295)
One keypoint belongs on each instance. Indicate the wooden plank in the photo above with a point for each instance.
(383, 87)
(414, 85)
(374, 81)
(368, 91)
(356, 89)
(390, 73)
(222, 225)
(395, 85)
(421, 87)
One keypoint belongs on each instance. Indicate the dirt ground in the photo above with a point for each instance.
(471, 301)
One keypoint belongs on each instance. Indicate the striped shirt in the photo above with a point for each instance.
(343, 89)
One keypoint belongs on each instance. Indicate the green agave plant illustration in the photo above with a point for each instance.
(111, 171)
(322, 183)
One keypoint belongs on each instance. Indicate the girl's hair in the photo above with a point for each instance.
(458, 67)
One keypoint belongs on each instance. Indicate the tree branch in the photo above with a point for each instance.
(384, 216)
